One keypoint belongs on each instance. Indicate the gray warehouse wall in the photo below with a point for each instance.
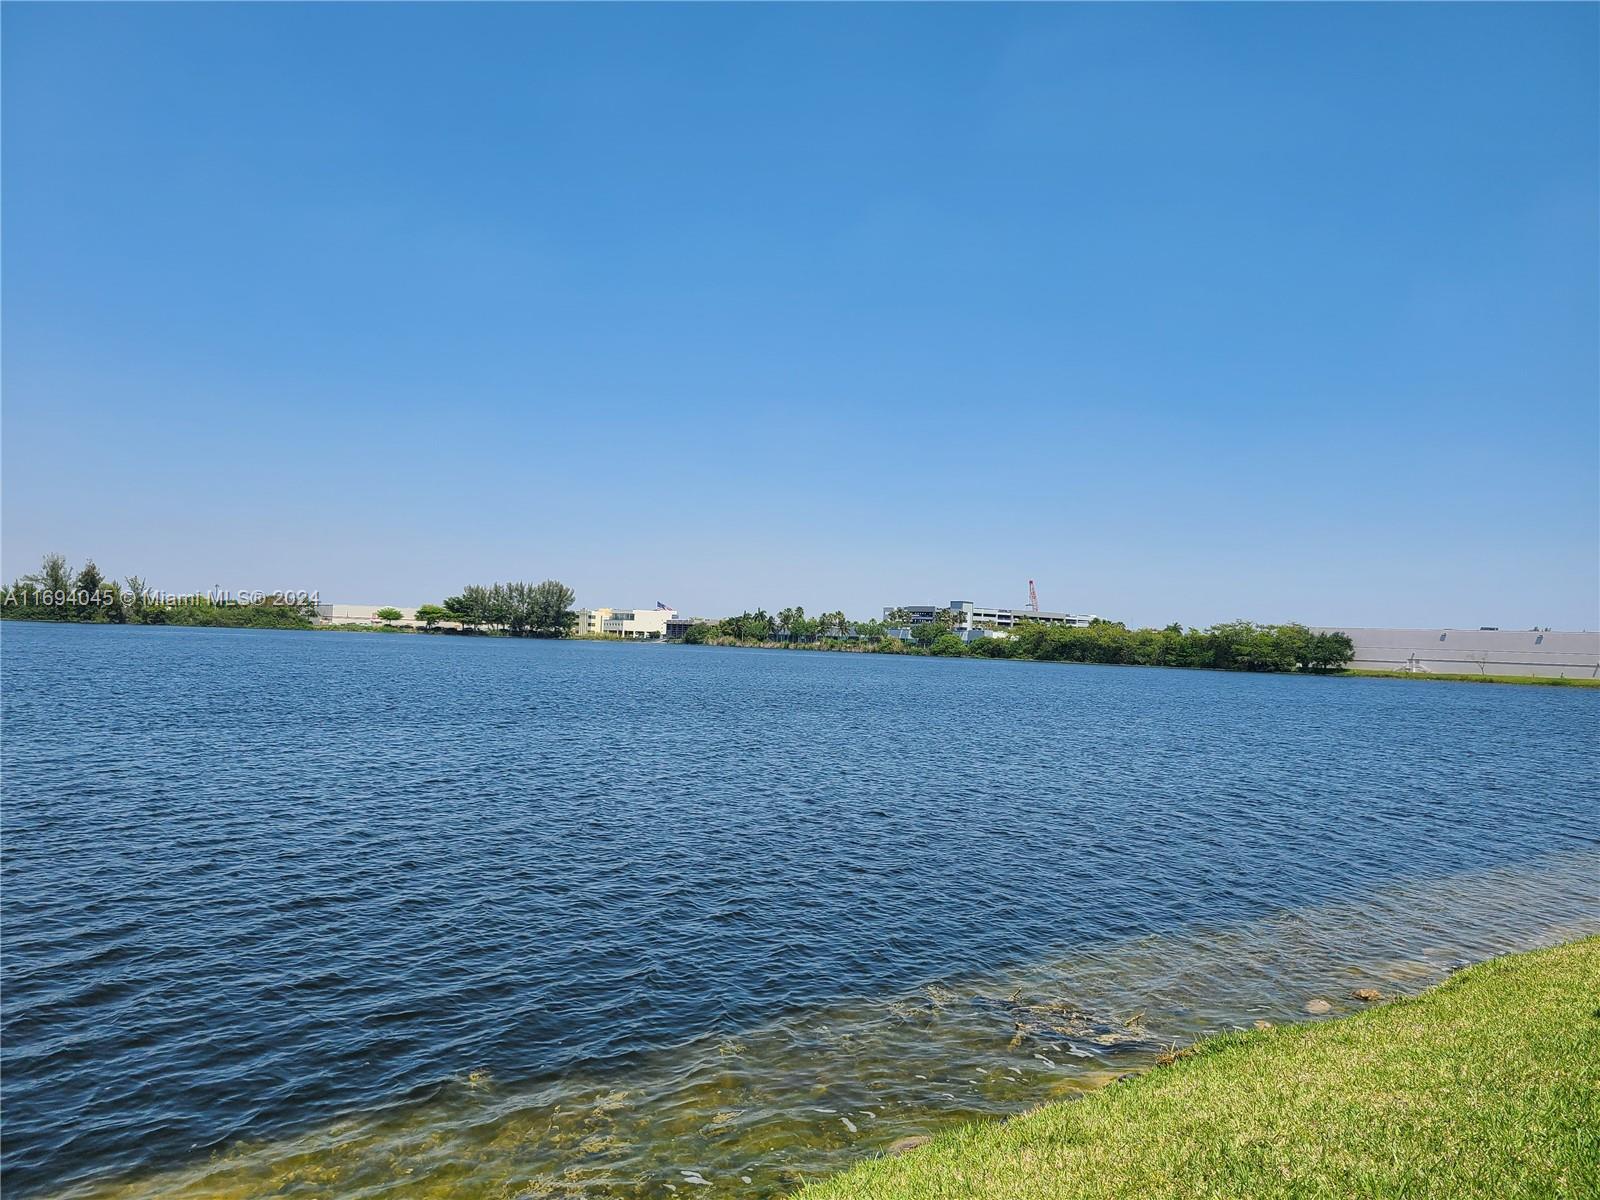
(1476, 651)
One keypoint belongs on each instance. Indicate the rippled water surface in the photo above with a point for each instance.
(318, 914)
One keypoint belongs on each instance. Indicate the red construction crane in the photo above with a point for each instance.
(1033, 597)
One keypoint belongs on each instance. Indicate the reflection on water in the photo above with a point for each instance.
(760, 1111)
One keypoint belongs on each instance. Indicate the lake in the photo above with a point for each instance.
(306, 913)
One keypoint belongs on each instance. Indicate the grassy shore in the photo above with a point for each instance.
(1539, 680)
(1486, 1086)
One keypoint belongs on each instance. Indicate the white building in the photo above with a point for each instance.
(641, 624)
(362, 614)
(971, 621)
(1539, 652)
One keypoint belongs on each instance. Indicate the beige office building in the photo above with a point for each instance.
(591, 622)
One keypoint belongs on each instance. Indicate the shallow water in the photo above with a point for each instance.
(317, 914)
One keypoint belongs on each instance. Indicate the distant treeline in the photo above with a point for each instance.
(791, 626)
(55, 592)
(517, 609)
(1233, 646)
(58, 593)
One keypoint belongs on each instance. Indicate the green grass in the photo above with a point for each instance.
(1545, 681)
(1486, 1086)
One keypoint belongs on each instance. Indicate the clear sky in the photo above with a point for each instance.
(1188, 313)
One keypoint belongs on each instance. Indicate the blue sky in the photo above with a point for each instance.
(1187, 313)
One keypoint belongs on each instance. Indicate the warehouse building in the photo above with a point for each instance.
(362, 614)
(1534, 652)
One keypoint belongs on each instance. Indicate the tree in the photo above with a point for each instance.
(790, 621)
(54, 575)
(700, 634)
(389, 614)
(747, 627)
(498, 607)
(550, 609)
(479, 604)
(431, 614)
(517, 599)
(1292, 646)
(135, 605)
(1329, 651)
(89, 580)
(114, 608)
(992, 647)
(460, 610)
(92, 599)
(54, 579)
(519, 608)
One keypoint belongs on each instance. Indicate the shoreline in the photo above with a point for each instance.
(1441, 677)
(1345, 673)
(1482, 1085)
(839, 646)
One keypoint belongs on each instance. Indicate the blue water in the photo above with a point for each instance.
(253, 880)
